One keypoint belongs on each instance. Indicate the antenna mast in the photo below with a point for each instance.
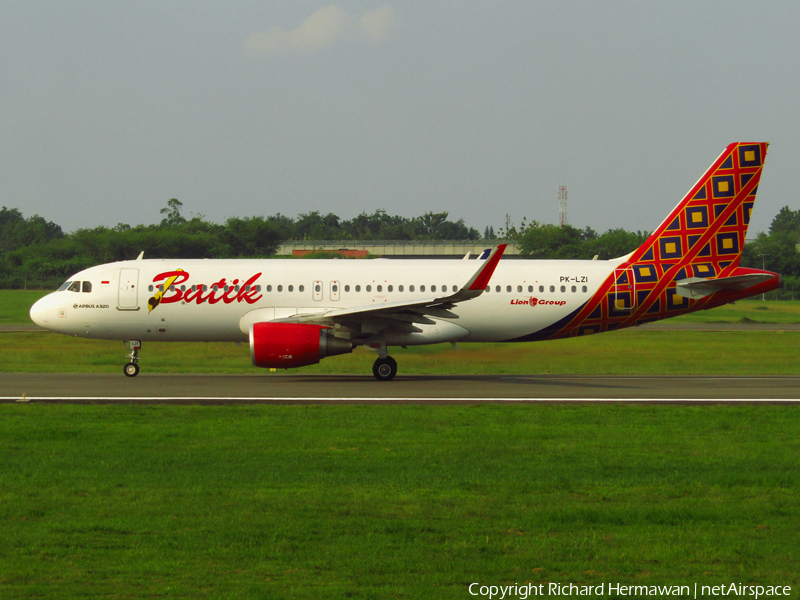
(562, 205)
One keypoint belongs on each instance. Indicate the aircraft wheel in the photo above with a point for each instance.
(131, 369)
(384, 369)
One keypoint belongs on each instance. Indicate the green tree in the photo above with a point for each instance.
(786, 221)
(552, 241)
(253, 237)
(173, 213)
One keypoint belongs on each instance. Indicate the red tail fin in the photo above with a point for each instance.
(706, 231)
(701, 239)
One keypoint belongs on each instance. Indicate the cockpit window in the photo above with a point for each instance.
(75, 287)
(64, 286)
(87, 287)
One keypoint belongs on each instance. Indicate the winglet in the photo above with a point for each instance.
(481, 278)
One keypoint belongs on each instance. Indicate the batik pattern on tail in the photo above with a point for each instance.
(702, 237)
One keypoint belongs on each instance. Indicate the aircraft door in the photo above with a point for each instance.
(128, 297)
(335, 287)
(317, 291)
(624, 289)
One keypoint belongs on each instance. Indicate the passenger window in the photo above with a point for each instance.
(433, 288)
(347, 288)
(334, 289)
(318, 288)
(508, 289)
(530, 289)
(280, 288)
(541, 288)
(380, 288)
(258, 288)
(574, 289)
(563, 288)
(519, 288)
(291, 288)
(369, 288)
(358, 288)
(390, 288)
(583, 289)
(422, 288)
(552, 288)
(399, 288)
(488, 288)
(205, 288)
(497, 288)
(75, 287)
(236, 287)
(269, 288)
(455, 288)
(183, 288)
(149, 288)
(411, 288)
(66, 284)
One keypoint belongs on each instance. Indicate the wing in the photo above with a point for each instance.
(402, 316)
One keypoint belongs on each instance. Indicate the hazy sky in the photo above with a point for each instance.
(109, 109)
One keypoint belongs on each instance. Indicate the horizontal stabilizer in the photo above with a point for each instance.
(697, 287)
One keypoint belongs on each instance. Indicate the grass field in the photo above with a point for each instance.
(15, 305)
(392, 501)
(623, 352)
(381, 501)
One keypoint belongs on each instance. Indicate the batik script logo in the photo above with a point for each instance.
(169, 291)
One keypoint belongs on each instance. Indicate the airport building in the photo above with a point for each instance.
(396, 248)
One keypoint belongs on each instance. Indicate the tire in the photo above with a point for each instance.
(131, 370)
(384, 369)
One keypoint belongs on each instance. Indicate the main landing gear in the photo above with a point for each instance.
(132, 368)
(385, 368)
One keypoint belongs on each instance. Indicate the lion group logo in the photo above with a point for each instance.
(532, 301)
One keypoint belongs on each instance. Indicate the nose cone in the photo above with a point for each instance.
(39, 312)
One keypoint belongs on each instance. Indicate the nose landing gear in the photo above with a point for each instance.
(132, 368)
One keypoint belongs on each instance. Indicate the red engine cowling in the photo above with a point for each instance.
(288, 345)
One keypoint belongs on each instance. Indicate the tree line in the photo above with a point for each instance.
(35, 252)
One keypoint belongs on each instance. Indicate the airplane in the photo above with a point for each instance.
(293, 313)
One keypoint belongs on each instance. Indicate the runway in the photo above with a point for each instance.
(440, 389)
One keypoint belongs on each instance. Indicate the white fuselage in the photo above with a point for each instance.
(523, 297)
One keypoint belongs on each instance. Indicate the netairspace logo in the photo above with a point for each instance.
(528, 590)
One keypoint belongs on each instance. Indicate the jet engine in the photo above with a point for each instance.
(288, 345)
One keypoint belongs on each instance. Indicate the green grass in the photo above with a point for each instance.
(391, 501)
(15, 305)
(787, 311)
(632, 351)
